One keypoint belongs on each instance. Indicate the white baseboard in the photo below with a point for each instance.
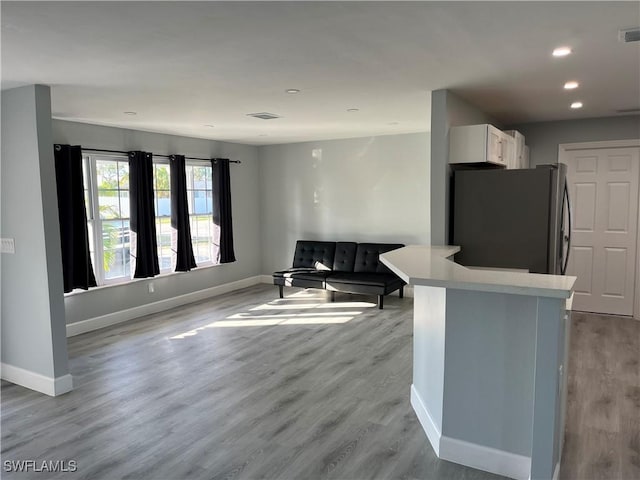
(91, 324)
(469, 454)
(426, 420)
(35, 381)
(266, 279)
(485, 458)
(556, 472)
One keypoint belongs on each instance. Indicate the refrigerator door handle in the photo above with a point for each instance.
(566, 236)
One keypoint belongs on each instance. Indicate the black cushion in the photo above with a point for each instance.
(308, 273)
(373, 279)
(367, 257)
(313, 254)
(301, 277)
(291, 271)
(311, 275)
(345, 256)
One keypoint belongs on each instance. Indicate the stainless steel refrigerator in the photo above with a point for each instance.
(519, 219)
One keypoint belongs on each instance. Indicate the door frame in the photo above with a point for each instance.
(564, 148)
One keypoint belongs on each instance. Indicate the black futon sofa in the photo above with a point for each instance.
(341, 267)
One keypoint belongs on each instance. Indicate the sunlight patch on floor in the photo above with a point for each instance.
(270, 320)
(301, 306)
(281, 313)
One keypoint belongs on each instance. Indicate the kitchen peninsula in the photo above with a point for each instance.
(489, 361)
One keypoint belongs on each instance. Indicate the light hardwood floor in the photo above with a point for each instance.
(249, 386)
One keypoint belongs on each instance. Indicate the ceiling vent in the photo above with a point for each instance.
(629, 35)
(628, 110)
(263, 115)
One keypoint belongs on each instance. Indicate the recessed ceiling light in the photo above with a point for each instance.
(571, 85)
(262, 135)
(209, 125)
(561, 51)
(292, 91)
(353, 109)
(130, 113)
(576, 105)
(393, 123)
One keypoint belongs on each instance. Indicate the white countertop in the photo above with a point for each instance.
(430, 266)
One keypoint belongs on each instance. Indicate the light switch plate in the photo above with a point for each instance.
(7, 245)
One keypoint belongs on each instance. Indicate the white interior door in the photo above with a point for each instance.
(603, 187)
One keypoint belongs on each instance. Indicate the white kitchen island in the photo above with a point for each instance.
(489, 361)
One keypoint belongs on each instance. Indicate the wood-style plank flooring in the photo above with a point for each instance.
(602, 438)
(249, 386)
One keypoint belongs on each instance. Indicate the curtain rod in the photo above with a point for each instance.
(155, 155)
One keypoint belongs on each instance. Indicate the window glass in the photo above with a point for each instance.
(112, 187)
(199, 197)
(162, 197)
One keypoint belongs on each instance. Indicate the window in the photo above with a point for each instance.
(162, 197)
(200, 200)
(107, 204)
(88, 202)
(106, 182)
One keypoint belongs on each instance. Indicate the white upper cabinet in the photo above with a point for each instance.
(484, 144)
(521, 156)
(509, 151)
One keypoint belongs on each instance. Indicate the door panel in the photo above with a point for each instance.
(586, 164)
(603, 184)
(614, 263)
(585, 216)
(619, 163)
(618, 201)
(583, 268)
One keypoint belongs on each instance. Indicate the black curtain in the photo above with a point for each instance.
(222, 222)
(74, 237)
(143, 215)
(181, 237)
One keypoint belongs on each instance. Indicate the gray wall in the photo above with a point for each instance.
(363, 189)
(447, 110)
(246, 221)
(543, 138)
(498, 413)
(33, 330)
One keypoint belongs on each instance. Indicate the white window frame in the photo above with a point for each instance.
(202, 163)
(93, 215)
(162, 161)
(96, 221)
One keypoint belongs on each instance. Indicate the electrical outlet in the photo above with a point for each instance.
(7, 245)
(152, 287)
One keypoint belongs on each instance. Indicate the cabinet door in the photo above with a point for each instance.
(495, 153)
(509, 151)
(517, 140)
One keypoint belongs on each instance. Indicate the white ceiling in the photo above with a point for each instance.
(181, 65)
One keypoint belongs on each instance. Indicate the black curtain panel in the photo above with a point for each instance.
(74, 237)
(181, 235)
(144, 246)
(222, 221)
